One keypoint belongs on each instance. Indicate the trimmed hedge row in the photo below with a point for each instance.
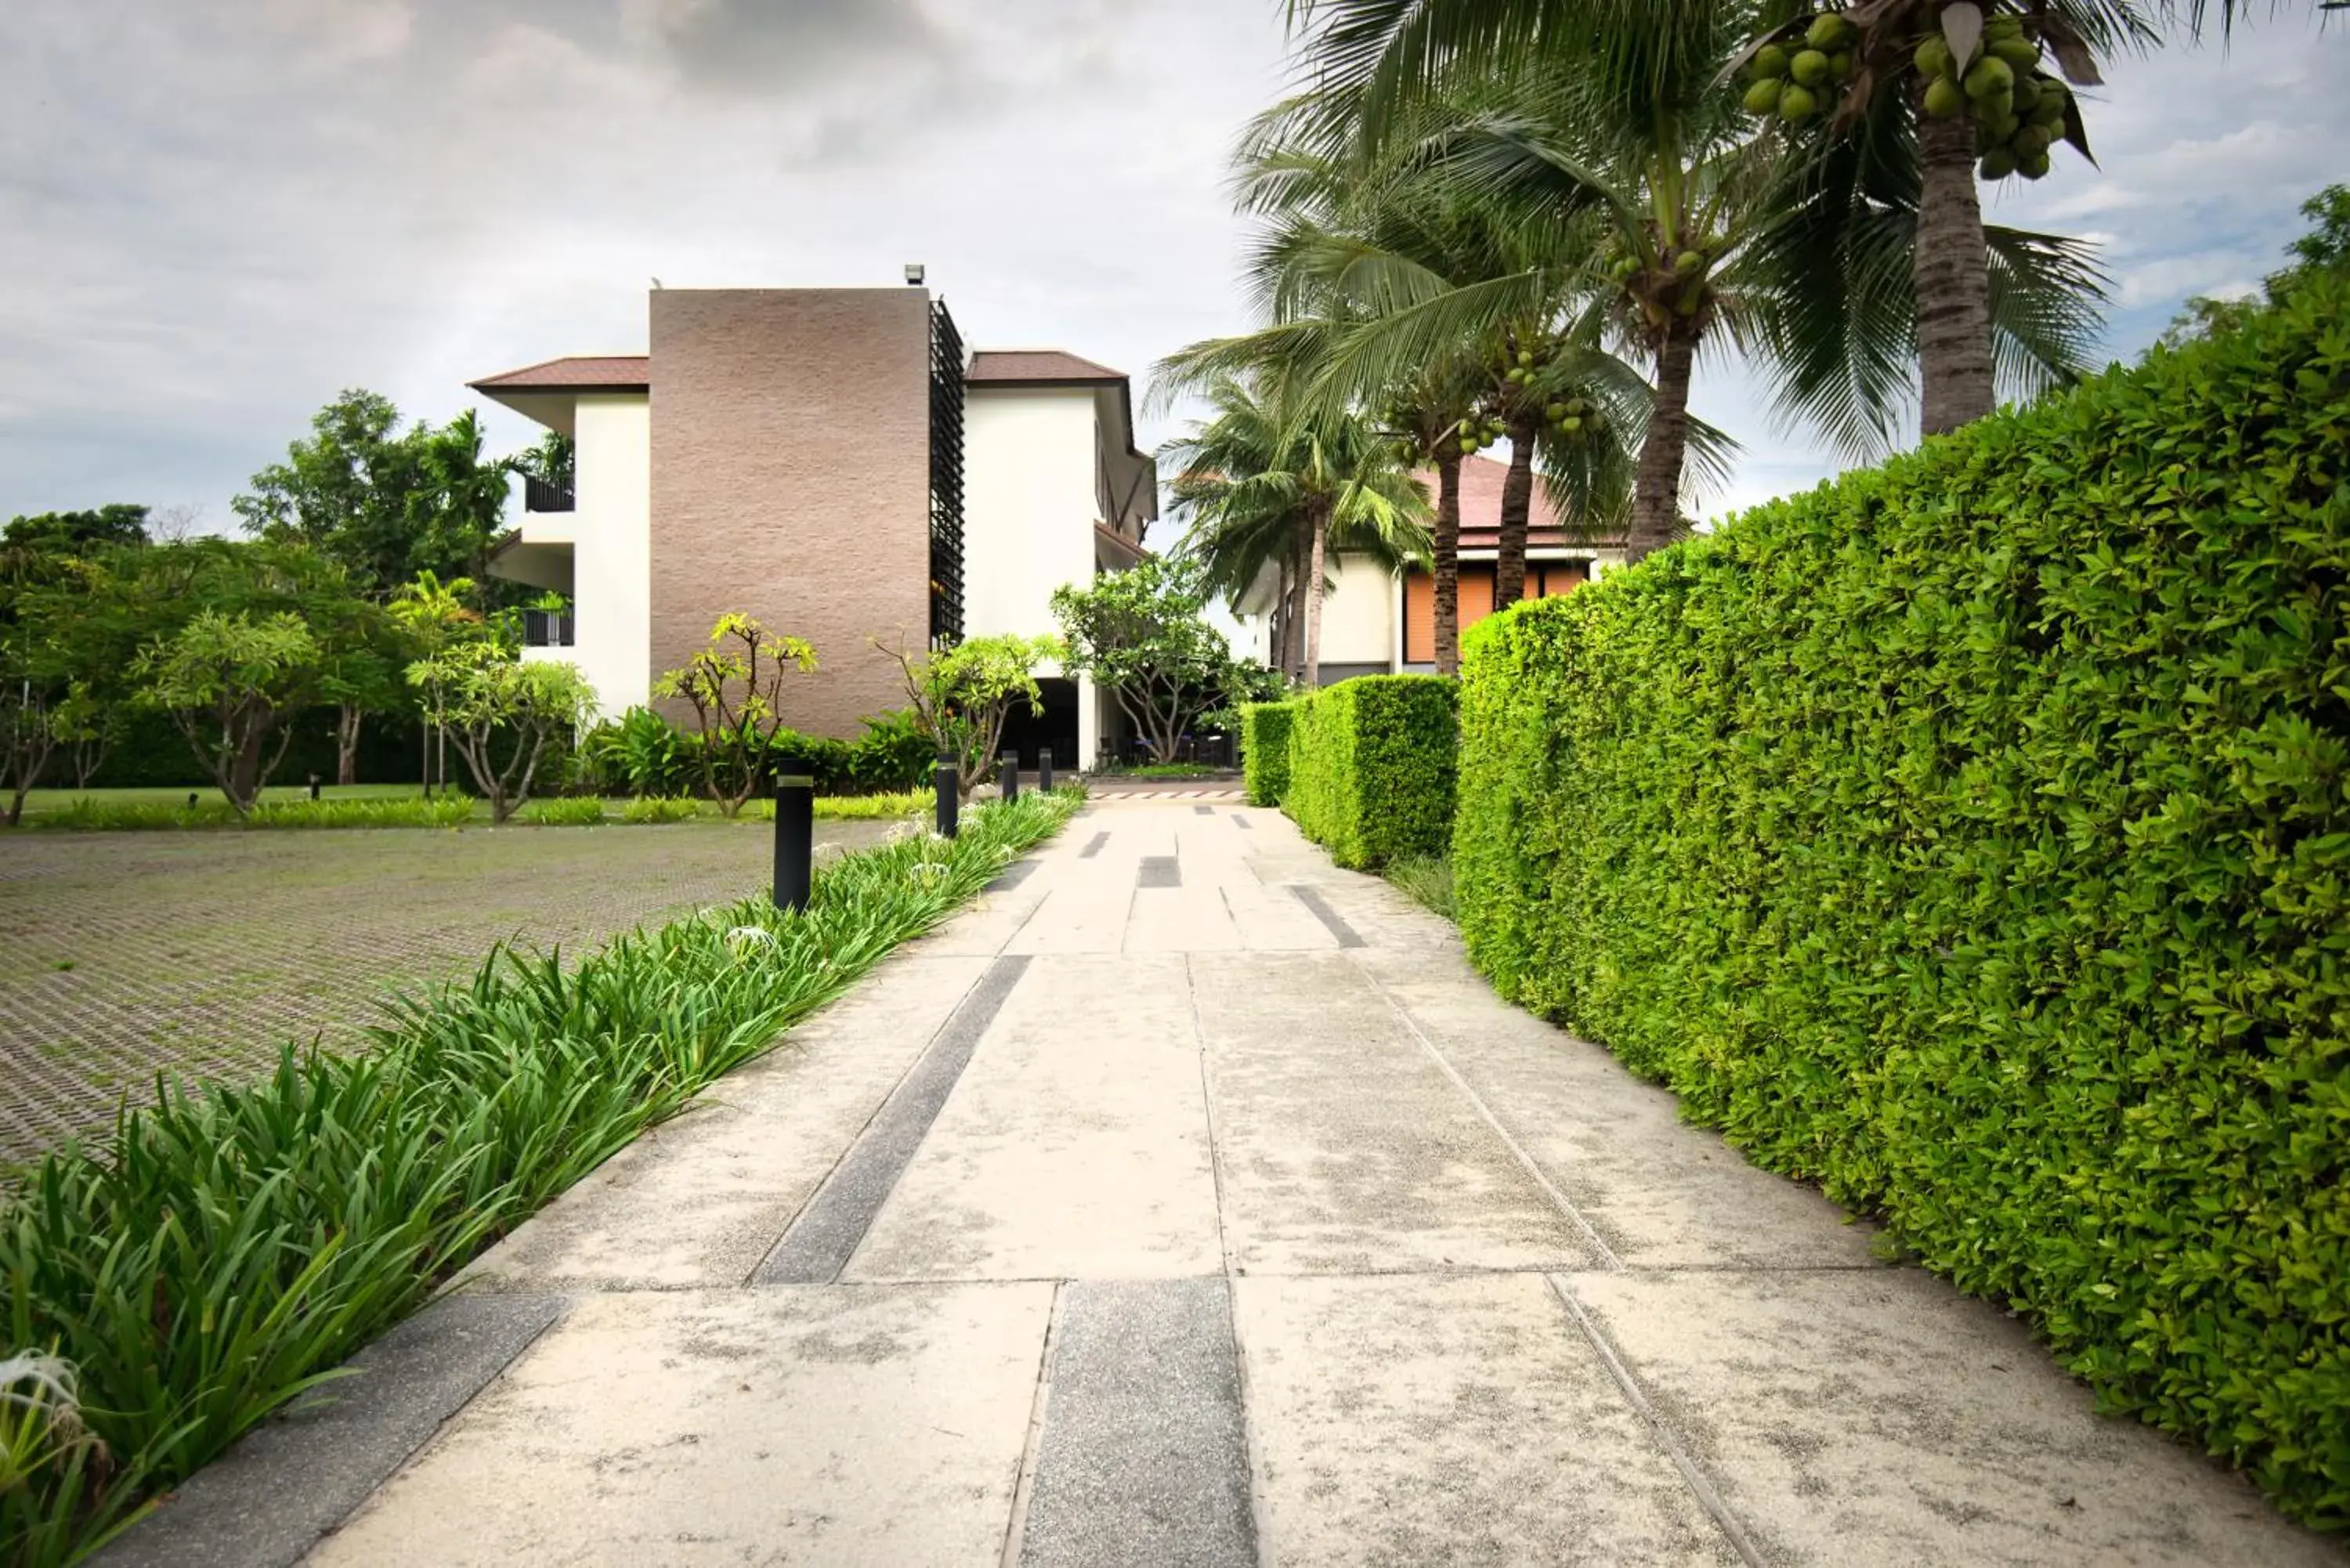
(1371, 766)
(1972, 837)
(1264, 750)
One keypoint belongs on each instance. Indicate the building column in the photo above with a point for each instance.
(1089, 726)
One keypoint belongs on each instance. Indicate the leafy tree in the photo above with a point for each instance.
(960, 697)
(77, 533)
(1142, 634)
(480, 693)
(735, 688)
(433, 616)
(388, 503)
(229, 681)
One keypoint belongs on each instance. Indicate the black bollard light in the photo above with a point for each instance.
(795, 839)
(1044, 769)
(949, 780)
(314, 786)
(1007, 775)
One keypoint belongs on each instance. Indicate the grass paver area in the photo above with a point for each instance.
(126, 954)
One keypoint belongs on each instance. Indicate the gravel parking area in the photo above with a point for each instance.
(123, 955)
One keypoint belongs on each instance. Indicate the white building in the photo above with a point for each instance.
(1376, 621)
(833, 463)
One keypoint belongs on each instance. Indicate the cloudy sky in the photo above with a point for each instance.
(215, 213)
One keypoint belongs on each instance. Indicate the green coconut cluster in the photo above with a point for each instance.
(1477, 432)
(2018, 109)
(1793, 79)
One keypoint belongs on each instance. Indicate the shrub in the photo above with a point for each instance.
(662, 808)
(1371, 765)
(1971, 838)
(571, 811)
(96, 814)
(230, 1244)
(1264, 750)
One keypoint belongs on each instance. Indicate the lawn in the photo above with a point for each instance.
(395, 807)
(126, 954)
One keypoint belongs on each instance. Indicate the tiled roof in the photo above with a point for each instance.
(1481, 479)
(1036, 365)
(577, 373)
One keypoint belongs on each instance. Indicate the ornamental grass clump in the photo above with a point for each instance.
(228, 1247)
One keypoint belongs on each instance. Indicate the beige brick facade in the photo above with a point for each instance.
(791, 480)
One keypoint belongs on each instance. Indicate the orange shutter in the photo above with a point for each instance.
(1419, 617)
(1476, 594)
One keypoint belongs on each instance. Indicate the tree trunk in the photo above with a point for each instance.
(1517, 510)
(347, 744)
(1657, 483)
(241, 778)
(1319, 523)
(1293, 623)
(1448, 561)
(1952, 279)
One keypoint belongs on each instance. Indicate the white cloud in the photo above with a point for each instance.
(222, 211)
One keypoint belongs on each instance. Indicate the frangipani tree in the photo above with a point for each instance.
(962, 695)
(735, 688)
(486, 697)
(229, 683)
(1142, 634)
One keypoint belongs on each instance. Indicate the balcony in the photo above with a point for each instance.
(547, 629)
(547, 494)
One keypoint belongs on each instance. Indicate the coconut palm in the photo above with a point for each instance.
(1267, 485)
(1392, 57)
(1397, 293)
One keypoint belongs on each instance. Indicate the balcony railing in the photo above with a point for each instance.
(547, 629)
(546, 494)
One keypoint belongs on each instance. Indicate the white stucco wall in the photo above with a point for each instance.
(1358, 610)
(612, 550)
(1030, 502)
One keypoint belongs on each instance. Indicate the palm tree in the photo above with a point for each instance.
(1399, 293)
(1266, 484)
(1648, 93)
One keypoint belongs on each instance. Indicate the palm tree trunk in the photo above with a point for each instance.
(1517, 509)
(1292, 631)
(1951, 276)
(1318, 521)
(1657, 483)
(1448, 561)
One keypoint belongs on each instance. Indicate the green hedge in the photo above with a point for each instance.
(1371, 766)
(1264, 750)
(1972, 837)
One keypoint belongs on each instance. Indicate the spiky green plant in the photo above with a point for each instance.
(229, 1246)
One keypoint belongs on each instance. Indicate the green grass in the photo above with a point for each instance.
(1428, 879)
(44, 802)
(401, 806)
(1164, 771)
(228, 1248)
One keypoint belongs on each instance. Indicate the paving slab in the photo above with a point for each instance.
(827, 1232)
(839, 1425)
(1076, 1146)
(1193, 918)
(701, 1200)
(290, 1481)
(1343, 1147)
(1874, 1418)
(1142, 1458)
(1661, 1193)
(1441, 1423)
(1272, 919)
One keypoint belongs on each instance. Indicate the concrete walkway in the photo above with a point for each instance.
(1189, 1201)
